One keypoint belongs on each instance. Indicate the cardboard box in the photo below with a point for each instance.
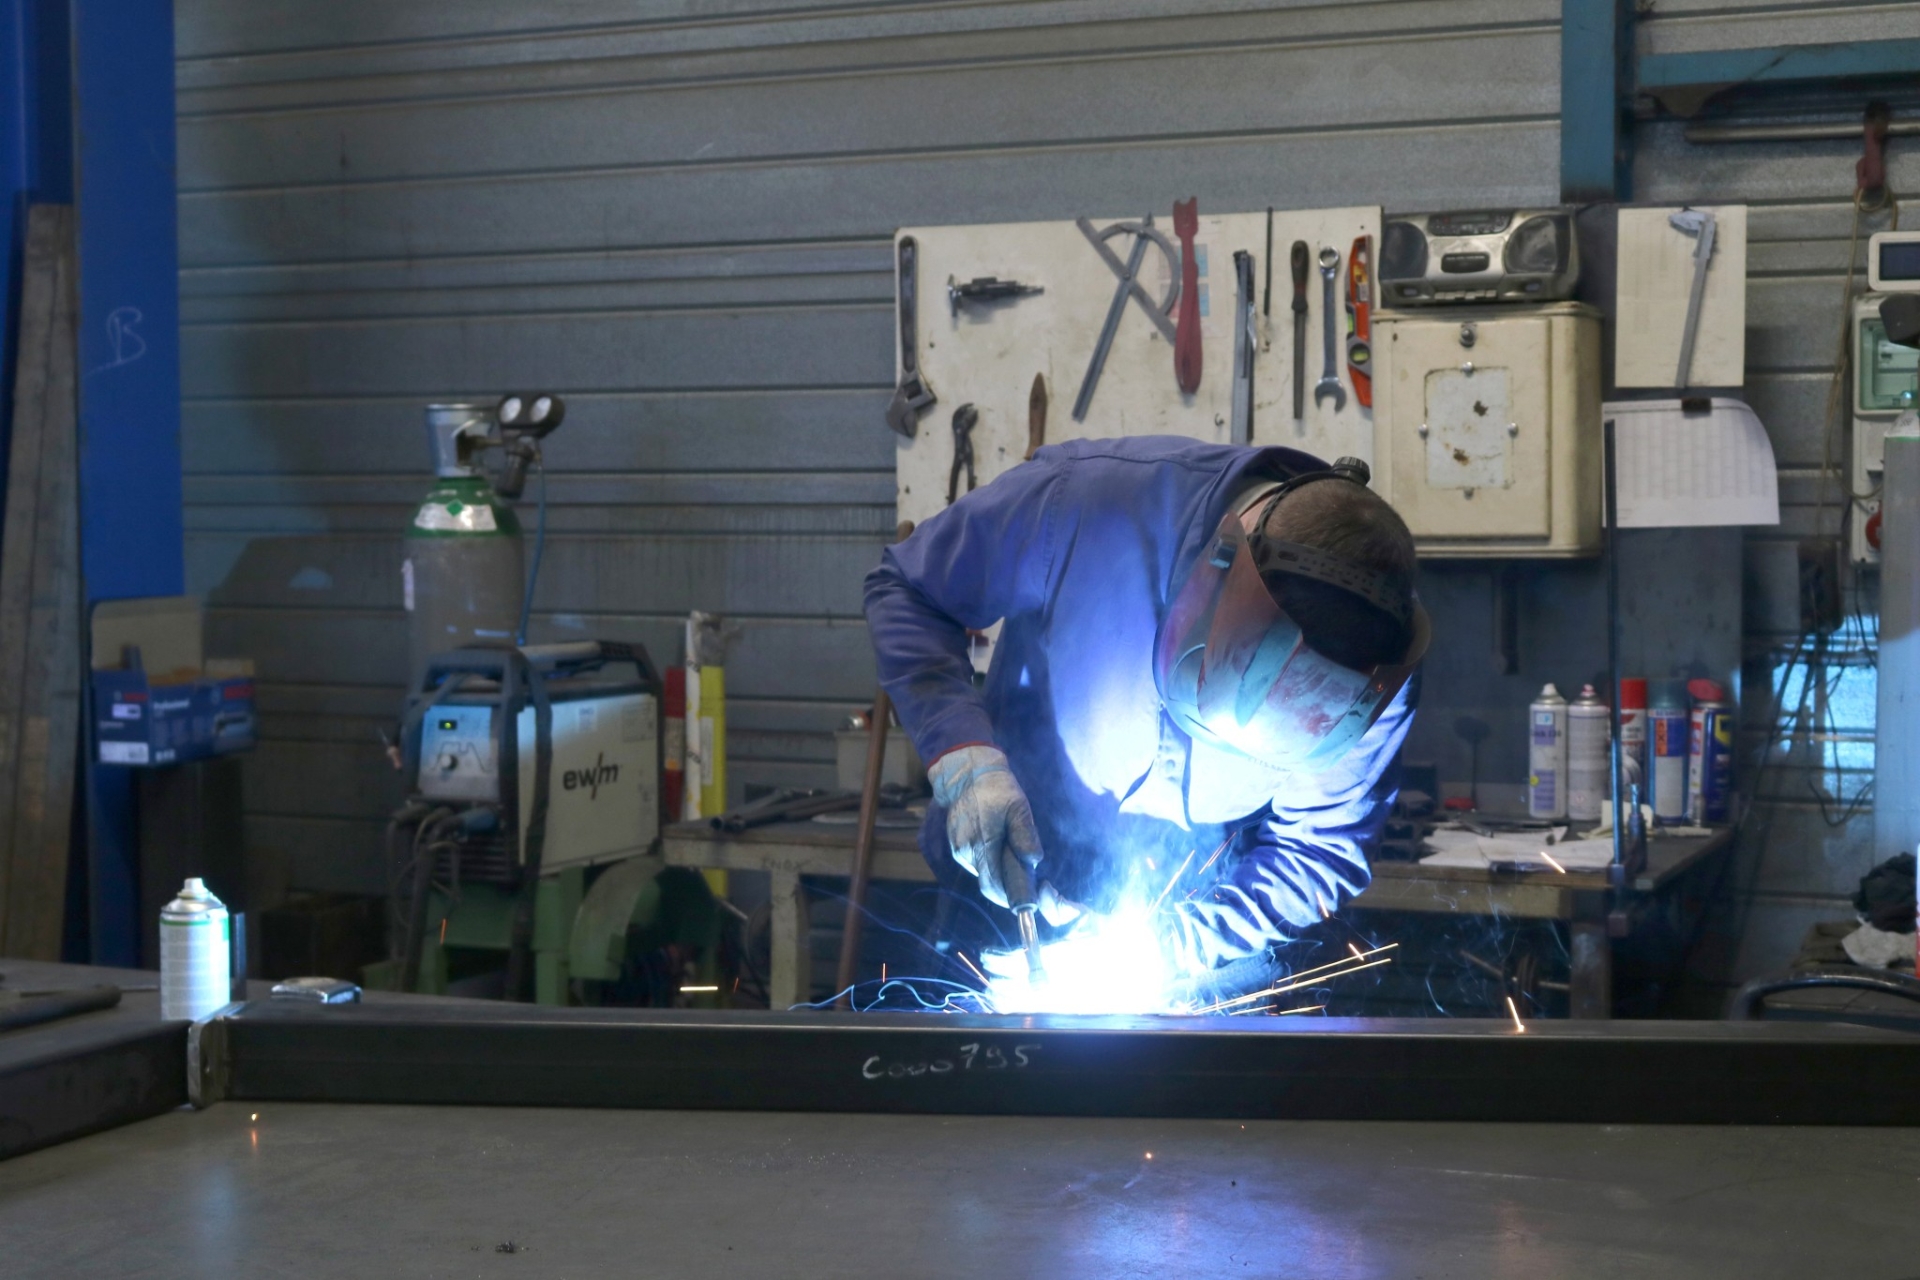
(156, 700)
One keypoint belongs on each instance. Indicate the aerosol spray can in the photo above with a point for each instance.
(1587, 739)
(196, 954)
(1633, 732)
(1709, 754)
(1547, 755)
(1667, 750)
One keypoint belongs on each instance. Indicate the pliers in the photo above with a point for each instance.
(964, 419)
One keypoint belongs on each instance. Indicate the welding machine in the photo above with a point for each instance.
(524, 763)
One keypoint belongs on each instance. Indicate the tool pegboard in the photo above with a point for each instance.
(985, 352)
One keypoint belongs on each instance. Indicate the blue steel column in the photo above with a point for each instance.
(130, 518)
(1596, 66)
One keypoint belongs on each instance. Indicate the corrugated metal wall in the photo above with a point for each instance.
(679, 215)
(1810, 839)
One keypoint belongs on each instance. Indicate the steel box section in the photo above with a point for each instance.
(1254, 1068)
(68, 1079)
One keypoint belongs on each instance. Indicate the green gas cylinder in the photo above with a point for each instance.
(464, 572)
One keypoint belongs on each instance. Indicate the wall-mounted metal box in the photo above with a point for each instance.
(1487, 428)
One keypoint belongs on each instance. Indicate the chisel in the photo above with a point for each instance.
(1299, 330)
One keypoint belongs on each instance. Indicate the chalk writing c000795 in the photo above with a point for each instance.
(970, 1057)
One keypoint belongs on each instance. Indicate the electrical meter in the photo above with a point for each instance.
(1884, 376)
(1893, 262)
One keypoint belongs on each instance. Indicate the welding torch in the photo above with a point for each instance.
(1024, 900)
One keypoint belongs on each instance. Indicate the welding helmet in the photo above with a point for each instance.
(1233, 667)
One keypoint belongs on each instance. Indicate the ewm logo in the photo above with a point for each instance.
(575, 779)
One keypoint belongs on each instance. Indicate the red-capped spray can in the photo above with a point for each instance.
(1588, 735)
(1547, 755)
(1709, 754)
(673, 731)
(1633, 731)
(1667, 750)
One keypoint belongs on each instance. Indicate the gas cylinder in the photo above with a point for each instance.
(464, 574)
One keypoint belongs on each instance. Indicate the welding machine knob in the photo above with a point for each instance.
(448, 762)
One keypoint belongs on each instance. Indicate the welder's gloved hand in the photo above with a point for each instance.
(989, 821)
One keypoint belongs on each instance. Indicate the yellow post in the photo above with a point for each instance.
(713, 739)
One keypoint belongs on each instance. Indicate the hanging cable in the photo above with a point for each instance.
(539, 547)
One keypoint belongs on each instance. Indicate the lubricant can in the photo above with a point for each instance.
(1547, 755)
(1667, 750)
(1633, 731)
(1588, 736)
(195, 954)
(1709, 754)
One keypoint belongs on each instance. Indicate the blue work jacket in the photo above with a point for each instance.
(1079, 551)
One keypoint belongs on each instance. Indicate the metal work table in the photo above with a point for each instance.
(257, 1186)
(789, 851)
(407, 1191)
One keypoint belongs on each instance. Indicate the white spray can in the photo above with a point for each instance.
(196, 954)
(1588, 737)
(1547, 755)
(1667, 729)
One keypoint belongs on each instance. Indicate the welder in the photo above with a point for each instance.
(1205, 647)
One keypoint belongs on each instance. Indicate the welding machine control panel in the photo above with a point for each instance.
(458, 757)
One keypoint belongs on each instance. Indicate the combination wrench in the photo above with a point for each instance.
(1329, 384)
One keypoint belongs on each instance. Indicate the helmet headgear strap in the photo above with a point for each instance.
(1273, 555)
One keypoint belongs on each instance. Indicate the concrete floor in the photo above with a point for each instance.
(313, 1190)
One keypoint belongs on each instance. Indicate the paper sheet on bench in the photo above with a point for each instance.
(1466, 849)
(1679, 470)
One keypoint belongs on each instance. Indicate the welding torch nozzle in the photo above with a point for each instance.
(1030, 939)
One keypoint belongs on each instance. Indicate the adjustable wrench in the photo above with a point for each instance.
(1329, 384)
(913, 394)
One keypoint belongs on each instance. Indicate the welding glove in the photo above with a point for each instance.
(989, 822)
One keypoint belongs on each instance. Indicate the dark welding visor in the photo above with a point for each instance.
(1233, 668)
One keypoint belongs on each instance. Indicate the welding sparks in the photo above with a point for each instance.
(984, 979)
(1309, 977)
(1550, 862)
(1176, 879)
(1514, 1009)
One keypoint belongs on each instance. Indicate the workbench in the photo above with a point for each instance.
(790, 851)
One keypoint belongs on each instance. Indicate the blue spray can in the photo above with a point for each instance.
(1709, 754)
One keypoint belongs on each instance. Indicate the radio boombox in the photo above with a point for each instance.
(1515, 255)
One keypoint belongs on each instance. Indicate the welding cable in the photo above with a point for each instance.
(1838, 386)
(539, 547)
(423, 837)
(1752, 802)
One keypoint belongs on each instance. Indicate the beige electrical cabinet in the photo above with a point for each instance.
(1486, 427)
